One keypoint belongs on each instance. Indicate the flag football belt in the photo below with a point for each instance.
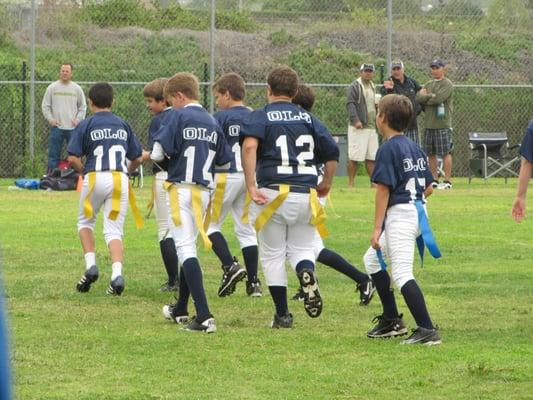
(196, 196)
(318, 216)
(115, 199)
(425, 239)
(220, 189)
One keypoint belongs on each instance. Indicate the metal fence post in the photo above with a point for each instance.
(389, 35)
(212, 56)
(24, 78)
(32, 84)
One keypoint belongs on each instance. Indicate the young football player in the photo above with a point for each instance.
(282, 145)
(159, 107)
(230, 192)
(305, 98)
(107, 142)
(403, 180)
(194, 142)
(526, 167)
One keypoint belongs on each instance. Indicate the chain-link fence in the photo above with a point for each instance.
(488, 45)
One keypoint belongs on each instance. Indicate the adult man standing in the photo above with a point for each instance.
(400, 83)
(362, 138)
(437, 97)
(63, 107)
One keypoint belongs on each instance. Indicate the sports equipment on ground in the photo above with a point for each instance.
(420, 335)
(116, 286)
(90, 276)
(253, 288)
(285, 321)
(208, 326)
(387, 328)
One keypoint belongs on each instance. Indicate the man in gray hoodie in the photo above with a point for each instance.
(63, 107)
(362, 137)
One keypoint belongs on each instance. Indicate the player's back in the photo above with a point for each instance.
(402, 165)
(106, 140)
(294, 142)
(194, 141)
(230, 120)
(155, 125)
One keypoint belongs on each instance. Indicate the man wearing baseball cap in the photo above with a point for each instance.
(437, 98)
(361, 105)
(399, 83)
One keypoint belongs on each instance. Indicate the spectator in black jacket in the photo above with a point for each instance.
(400, 83)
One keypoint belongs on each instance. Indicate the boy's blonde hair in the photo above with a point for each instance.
(183, 82)
(155, 89)
(231, 83)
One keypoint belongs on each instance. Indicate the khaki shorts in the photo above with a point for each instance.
(362, 144)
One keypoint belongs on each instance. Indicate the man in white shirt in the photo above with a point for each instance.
(63, 107)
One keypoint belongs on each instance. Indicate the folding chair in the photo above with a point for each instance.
(137, 177)
(491, 155)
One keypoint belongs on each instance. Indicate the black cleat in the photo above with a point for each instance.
(90, 276)
(208, 326)
(299, 296)
(253, 288)
(386, 327)
(428, 337)
(366, 292)
(281, 322)
(169, 312)
(169, 287)
(116, 286)
(312, 299)
(232, 274)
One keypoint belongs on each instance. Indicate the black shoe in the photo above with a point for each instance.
(208, 326)
(366, 292)
(232, 274)
(435, 184)
(116, 287)
(281, 322)
(299, 296)
(253, 288)
(170, 313)
(90, 276)
(312, 299)
(386, 327)
(169, 287)
(420, 335)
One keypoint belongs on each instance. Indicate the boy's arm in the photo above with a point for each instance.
(382, 200)
(330, 167)
(134, 164)
(519, 205)
(75, 163)
(249, 160)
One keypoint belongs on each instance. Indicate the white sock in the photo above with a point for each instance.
(117, 270)
(90, 260)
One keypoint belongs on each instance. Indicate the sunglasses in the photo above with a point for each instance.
(435, 67)
(396, 68)
(368, 70)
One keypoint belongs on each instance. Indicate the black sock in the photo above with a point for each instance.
(335, 261)
(193, 274)
(386, 294)
(183, 297)
(417, 305)
(279, 295)
(170, 259)
(249, 254)
(304, 264)
(221, 249)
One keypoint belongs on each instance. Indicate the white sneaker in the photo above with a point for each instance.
(446, 185)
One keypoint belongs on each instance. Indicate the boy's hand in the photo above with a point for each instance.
(257, 196)
(374, 239)
(519, 209)
(323, 189)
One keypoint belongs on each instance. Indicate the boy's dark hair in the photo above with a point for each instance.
(69, 64)
(101, 95)
(231, 83)
(397, 110)
(305, 97)
(155, 89)
(183, 82)
(283, 81)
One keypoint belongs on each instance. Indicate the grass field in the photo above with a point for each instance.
(68, 345)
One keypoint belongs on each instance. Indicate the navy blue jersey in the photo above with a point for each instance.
(106, 141)
(526, 149)
(402, 166)
(291, 144)
(230, 121)
(193, 140)
(155, 124)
